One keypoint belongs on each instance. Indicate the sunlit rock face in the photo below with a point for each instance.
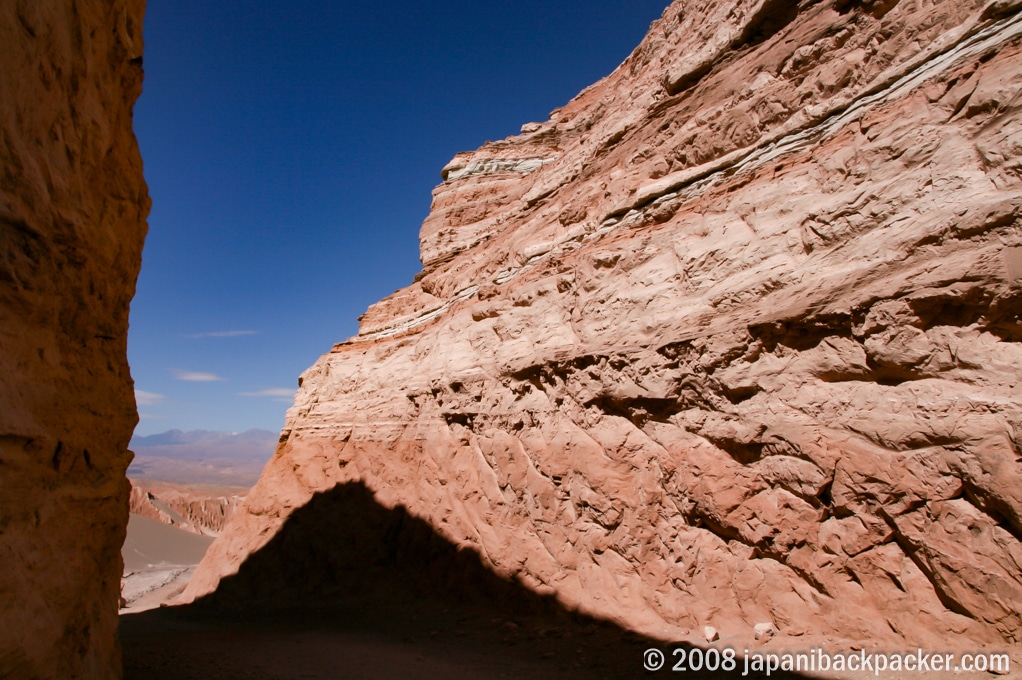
(198, 510)
(72, 219)
(731, 339)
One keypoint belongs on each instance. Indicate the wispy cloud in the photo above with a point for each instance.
(143, 398)
(195, 376)
(278, 393)
(222, 334)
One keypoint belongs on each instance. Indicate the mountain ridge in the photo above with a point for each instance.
(176, 437)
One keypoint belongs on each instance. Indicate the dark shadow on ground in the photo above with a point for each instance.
(351, 589)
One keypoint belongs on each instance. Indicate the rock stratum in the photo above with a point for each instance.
(197, 509)
(73, 206)
(731, 339)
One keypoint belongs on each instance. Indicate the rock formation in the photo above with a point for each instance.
(72, 220)
(729, 342)
(198, 510)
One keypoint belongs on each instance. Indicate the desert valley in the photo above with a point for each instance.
(185, 487)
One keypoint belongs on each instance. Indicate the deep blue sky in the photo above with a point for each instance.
(290, 150)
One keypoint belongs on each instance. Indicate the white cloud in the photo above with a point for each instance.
(196, 376)
(147, 398)
(222, 334)
(278, 392)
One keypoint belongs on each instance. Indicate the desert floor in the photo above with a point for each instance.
(158, 561)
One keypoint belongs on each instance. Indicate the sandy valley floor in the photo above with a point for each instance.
(158, 561)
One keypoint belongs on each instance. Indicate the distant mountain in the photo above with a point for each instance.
(202, 456)
(178, 437)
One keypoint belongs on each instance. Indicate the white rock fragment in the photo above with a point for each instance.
(489, 166)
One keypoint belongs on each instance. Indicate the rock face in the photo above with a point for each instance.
(72, 220)
(730, 341)
(203, 511)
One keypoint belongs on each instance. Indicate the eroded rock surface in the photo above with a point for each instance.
(72, 220)
(732, 339)
(196, 509)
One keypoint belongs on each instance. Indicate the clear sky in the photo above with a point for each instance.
(290, 150)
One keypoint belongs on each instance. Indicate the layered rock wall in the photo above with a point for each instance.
(72, 219)
(198, 510)
(732, 338)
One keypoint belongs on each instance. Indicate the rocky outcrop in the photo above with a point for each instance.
(197, 510)
(729, 342)
(72, 219)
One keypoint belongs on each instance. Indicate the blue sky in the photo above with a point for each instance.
(290, 150)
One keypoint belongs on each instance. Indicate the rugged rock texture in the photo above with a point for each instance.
(203, 511)
(731, 339)
(72, 219)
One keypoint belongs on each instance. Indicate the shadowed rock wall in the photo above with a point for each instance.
(385, 597)
(731, 339)
(73, 206)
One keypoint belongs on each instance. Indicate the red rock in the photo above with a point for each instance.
(732, 337)
(73, 205)
(198, 509)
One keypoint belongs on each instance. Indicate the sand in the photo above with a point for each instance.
(385, 638)
(376, 637)
(158, 561)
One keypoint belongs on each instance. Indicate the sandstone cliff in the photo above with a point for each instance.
(732, 338)
(72, 219)
(196, 509)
